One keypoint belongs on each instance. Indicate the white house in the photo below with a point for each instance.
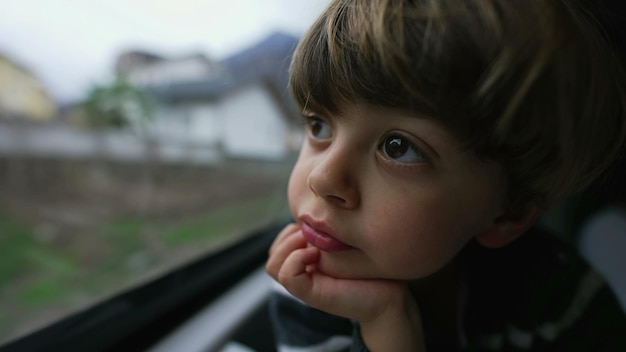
(243, 118)
(145, 69)
(203, 105)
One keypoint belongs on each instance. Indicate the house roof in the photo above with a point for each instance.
(198, 89)
(217, 87)
(265, 63)
(19, 66)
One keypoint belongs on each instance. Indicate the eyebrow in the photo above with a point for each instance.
(323, 112)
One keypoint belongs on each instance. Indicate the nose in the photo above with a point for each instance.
(335, 178)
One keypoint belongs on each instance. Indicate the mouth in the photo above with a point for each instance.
(317, 234)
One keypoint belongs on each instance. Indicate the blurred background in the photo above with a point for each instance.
(136, 136)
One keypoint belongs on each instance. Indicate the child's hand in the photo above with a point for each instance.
(292, 263)
(386, 312)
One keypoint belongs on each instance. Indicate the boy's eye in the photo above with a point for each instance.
(400, 148)
(318, 128)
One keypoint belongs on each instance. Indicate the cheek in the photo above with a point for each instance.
(413, 242)
(295, 187)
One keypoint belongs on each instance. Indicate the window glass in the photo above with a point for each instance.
(136, 136)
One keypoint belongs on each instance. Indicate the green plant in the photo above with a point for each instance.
(119, 104)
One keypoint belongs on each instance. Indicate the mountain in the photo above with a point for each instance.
(268, 59)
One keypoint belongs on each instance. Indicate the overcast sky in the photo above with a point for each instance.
(71, 44)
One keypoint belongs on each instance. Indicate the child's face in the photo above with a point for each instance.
(385, 194)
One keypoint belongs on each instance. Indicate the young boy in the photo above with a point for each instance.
(436, 132)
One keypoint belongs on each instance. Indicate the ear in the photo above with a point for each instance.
(509, 226)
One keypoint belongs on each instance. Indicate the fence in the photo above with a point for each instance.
(68, 142)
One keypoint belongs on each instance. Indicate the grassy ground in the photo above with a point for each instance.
(63, 251)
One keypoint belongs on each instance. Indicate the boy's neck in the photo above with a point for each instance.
(438, 299)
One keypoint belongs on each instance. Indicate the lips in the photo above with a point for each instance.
(317, 235)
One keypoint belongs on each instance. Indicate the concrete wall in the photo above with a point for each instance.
(62, 141)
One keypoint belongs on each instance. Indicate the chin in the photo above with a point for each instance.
(336, 268)
(344, 268)
(349, 268)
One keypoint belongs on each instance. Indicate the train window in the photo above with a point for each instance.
(135, 138)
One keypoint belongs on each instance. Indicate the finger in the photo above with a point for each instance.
(284, 233)
(293, 274)
(282, 250)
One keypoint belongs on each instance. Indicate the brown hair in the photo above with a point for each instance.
(530, 84)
